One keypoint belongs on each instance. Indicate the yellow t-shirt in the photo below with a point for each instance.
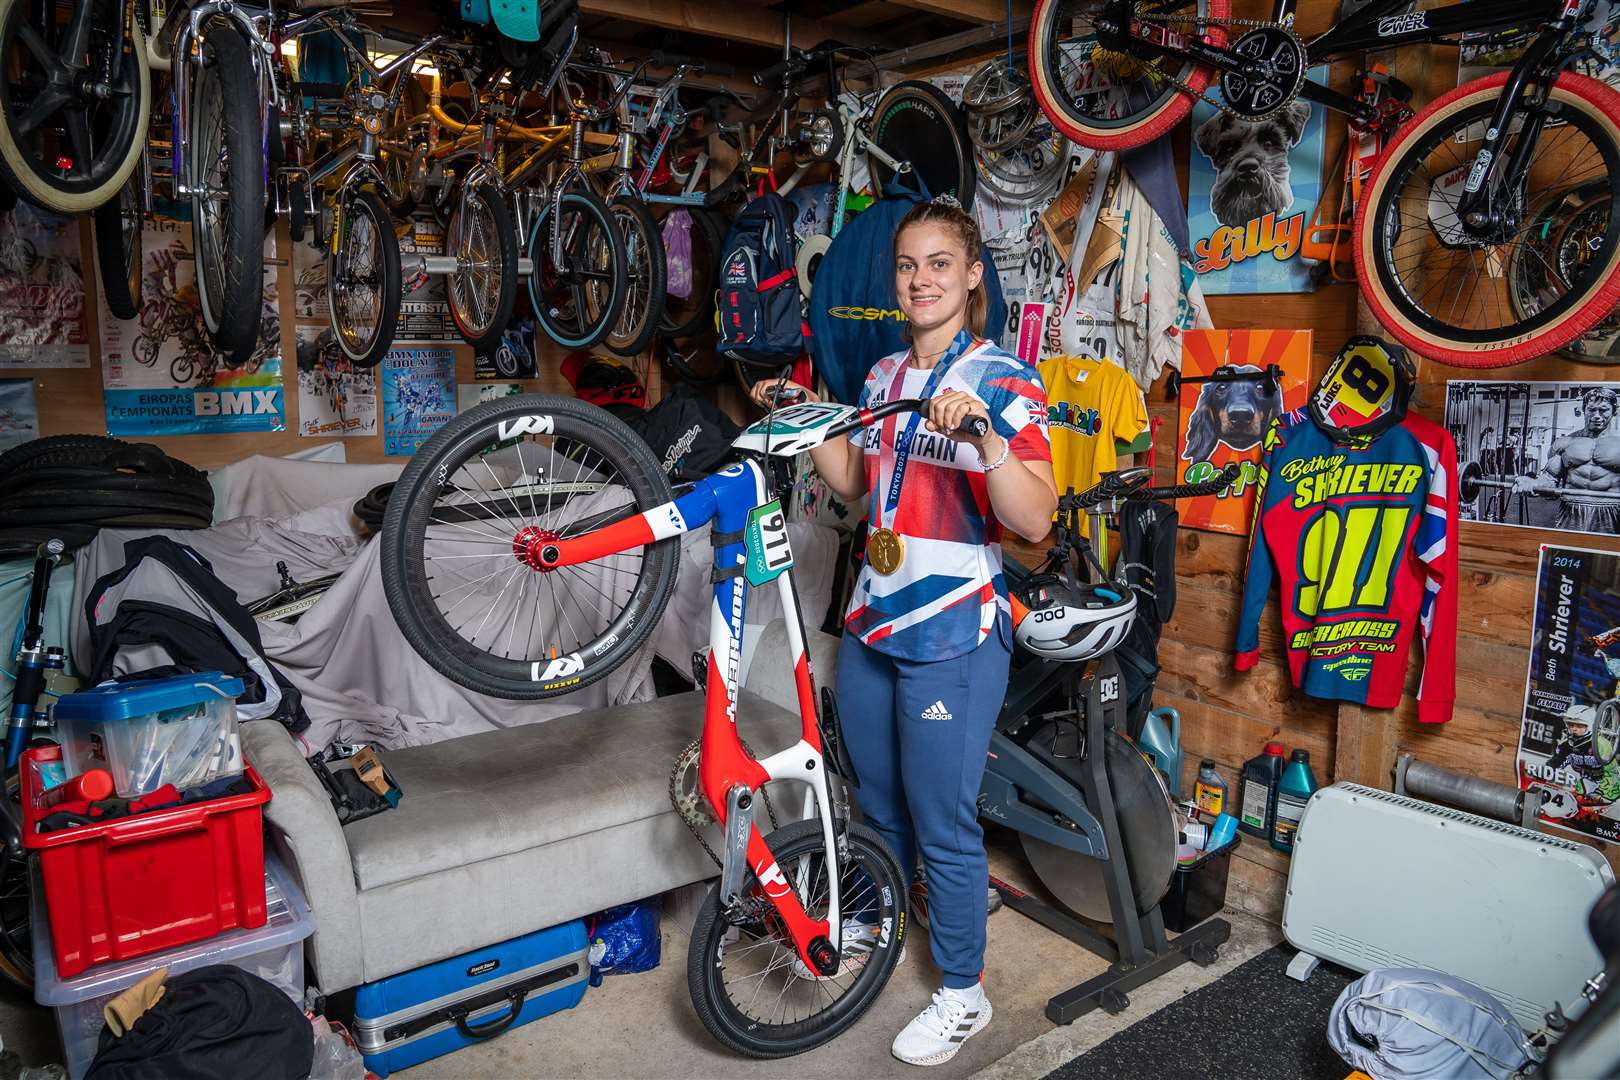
(1095, 412)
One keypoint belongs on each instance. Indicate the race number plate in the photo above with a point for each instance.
(766, 541)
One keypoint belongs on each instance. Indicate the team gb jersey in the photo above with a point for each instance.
(1363, 544)
(944, 597)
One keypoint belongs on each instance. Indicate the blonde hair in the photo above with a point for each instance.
(949, 214)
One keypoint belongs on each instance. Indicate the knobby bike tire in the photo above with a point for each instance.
(482, 329)
(225, 89)
(118, 251)
(1141, 126)
(19, 169)
(60, 450)
(1583, 104)
(365, 204)
(693, 313)
(705, 975)
(587, 328)
(408, 580)
(646, 277)
(916, 122)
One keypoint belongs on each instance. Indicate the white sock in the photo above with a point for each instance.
(973, 995)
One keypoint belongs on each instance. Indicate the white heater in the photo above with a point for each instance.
(1383, 880)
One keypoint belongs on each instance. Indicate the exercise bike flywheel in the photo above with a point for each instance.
(1147, 825)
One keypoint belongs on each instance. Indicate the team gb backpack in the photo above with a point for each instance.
(760, 314)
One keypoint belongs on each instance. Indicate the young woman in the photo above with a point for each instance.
(927, 639)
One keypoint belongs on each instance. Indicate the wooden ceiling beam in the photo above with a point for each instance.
(732, 22)
(979, 11)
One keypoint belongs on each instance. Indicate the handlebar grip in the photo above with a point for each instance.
(1193, 491)
(974, 425)
(791, 66)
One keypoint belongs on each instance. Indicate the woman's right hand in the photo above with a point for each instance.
(764, 391)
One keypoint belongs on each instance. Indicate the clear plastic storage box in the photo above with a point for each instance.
(179, 730)
(274, 952)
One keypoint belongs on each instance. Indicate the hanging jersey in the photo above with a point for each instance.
(1363, 544)
(1094, 412)
(944, 597)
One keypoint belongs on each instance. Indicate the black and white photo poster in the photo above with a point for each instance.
(1542, 455)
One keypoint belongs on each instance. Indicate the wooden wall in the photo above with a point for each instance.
(1229, 716)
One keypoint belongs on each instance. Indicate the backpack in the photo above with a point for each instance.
(760, 313)
(164, 612)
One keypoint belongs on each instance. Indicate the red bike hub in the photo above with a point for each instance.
(536, 548)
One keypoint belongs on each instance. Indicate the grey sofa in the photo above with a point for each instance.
(506, 832)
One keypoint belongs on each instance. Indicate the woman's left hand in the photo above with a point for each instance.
(947, 411)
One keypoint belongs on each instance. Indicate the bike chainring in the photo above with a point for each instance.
(686, 795)
(1274, 72)
(1142, 13)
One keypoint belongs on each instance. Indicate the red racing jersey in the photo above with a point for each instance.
(1362, 543)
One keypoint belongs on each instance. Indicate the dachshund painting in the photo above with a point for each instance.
(1235, 413)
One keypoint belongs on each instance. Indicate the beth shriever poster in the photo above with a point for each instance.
(1251, 191)
(419, 395)
(1570, 734)
(1223, 422)
(334, 396)
(161, 374)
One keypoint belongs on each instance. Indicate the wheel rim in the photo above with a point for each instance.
(356, 293)
(577, 293)
(129, 223)
(1093, 82)
(1451, 285)
(755, 977)
(212, 216)
(478, 541)
(476, 291)
(638, 284)
(1561, 224)
(58, 127)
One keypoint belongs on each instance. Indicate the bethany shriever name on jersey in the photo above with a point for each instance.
(1363, 544)
(943, 599)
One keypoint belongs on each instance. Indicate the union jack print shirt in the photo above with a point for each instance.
(945, 597)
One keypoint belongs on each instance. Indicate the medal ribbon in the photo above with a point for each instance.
(903, 439)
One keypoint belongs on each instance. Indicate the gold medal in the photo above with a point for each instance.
(885, 551)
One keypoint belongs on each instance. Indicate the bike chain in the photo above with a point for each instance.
(696, 814)
(1199, 24)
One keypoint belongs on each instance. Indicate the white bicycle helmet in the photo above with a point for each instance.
(1071, 621)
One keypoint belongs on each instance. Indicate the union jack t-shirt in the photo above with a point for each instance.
(945, 597)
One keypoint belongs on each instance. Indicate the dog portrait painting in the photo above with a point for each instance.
(1251, 162)
(1235, 413)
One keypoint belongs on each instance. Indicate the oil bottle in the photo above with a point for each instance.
(1257, 791)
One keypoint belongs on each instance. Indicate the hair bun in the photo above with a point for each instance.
(947, 200)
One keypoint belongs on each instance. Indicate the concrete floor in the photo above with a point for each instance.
(643, 1025)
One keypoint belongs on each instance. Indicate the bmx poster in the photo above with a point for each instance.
(1251, 191)
(418, 396)
(1538, 455)
(334, 396)
(1570, 734)
(1224, 422)
(42, 323)
(161, 374)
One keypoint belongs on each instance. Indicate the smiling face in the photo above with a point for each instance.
(933, 275)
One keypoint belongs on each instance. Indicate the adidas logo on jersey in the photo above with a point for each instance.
(936, 711)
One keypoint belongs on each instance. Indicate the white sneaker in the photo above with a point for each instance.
(940, 1030)
(860, 940)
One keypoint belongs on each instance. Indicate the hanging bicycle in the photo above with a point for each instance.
(1448, 203)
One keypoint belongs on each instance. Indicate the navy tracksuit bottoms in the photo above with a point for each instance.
(918, 732)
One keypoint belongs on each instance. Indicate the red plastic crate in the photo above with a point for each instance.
(141, 884)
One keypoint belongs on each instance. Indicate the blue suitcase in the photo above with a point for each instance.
(426, 1013)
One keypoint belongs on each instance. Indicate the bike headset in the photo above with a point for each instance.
(1374, 356)
(1057, 616)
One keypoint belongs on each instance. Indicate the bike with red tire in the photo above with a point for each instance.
(1450, 203)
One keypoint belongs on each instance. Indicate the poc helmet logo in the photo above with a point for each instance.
(1049, 614)
(867, 314)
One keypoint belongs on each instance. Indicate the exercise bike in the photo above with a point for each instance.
(1095, 817)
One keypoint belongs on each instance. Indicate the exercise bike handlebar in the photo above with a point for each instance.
(1127, 485)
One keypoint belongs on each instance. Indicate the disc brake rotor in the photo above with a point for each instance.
(1147, 828)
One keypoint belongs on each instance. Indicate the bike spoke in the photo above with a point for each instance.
(47, 105)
